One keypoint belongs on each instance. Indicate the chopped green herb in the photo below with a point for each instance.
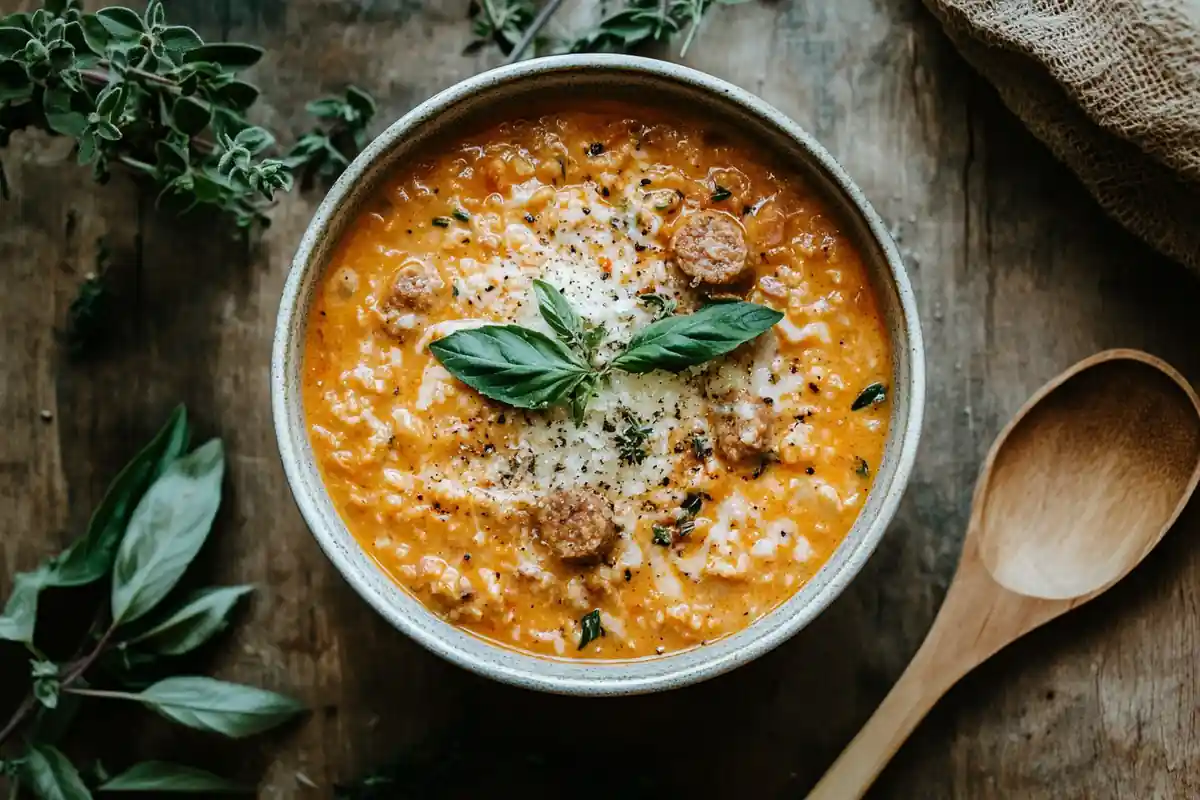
(660, 304)
(873, 395)
(692, 503)
(767, 459)
(663, 536)
(595, 149)
(861, 468)
(631, 442)
(461, 215)
(720, 194)
(700, 446)
(441, 222)
(684, 527)
(590, 628)
(454, 289)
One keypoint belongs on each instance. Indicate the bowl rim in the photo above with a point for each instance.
(586, 676)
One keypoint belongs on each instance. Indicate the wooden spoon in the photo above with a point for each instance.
(1079, 487)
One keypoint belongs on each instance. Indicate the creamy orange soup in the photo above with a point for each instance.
(684, 506)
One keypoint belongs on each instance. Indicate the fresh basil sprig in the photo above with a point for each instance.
(150, 526)
(527, 369)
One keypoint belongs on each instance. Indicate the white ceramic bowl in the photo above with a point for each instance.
(507, 92)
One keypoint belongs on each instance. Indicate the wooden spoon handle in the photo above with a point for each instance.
(905, 705)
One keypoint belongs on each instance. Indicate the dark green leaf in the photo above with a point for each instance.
(662, 536)
(201, 616)
(721, 193)
(237, 94)
(60, 115)
(559, 314)
(172, 159)
(581, 396)
(190, 116)
(166, 531)
(15, 84)
(660, 304)
(20, 19)
(590, 628)
(104, 130)
(441, 222)
(514, 365)
(51, 724)
(461, 215)
(45, 682)
(682, 341)
(160, 776)
(231, 55)
(631, 441)
(700, 446)
(50, 775)
(13, 40)
(179, 39)
(229, 709)
(326, 108)
(90, 558)
(20, 612)
(95, 33)
(254, 139)
(111, 102)
(155, 16)
(692, 503)
(361, 102)
(873, 395)
(122, 24)
(861, 468)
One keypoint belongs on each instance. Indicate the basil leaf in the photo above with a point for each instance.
(50, 775)
(873, 395)
(162, 776)
(559, 315)
(515, 365)
(90, 558)
(590, 628)
(202, 616)
(166, 531)
(677, 342)
(229, 709)
(46, 684)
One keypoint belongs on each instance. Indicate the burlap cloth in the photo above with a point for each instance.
(1113, 89)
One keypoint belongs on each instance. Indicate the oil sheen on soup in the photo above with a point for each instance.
(682, 506)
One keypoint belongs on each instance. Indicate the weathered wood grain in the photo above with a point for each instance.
(1017, 272)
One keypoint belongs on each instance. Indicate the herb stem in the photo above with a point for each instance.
(697, 16)
(104, 75)
(77, 671)
(533, 30)
(23, 711)
(99, 693)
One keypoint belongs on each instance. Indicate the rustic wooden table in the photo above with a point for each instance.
(1017, 273)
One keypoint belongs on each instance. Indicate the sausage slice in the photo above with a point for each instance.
(741, 428)
(710, 247)
(415, 287)
(577, 524)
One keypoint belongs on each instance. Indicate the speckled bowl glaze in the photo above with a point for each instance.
(508, 91)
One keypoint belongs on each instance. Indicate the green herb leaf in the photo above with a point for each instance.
(660, 304)
(229, 709)
(441, 222)
(662, 536)
(861, 468)
(721, 193)
(232, 56)
(179, 39)
(190, 116)
(692, 503)
(45, 682)
(581, 396)
(873, 395)
(700, 446)
(50, 775)
(461, 215)
(201, 616)
(682, 341)
(123, 24)
(631, 441)
(166, 532)
(60, 114)
(161, 776)
(515, 365)
(590, 628)
(13, 40)
(558, 313)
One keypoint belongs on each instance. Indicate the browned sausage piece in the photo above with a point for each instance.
(741, 427)
(710, 247)
(415, 287)
(577, 524)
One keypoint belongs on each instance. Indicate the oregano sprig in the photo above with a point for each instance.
(135, 91)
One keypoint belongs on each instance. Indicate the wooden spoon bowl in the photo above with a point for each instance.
(1076, 490)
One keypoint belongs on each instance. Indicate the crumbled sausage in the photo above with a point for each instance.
(710, 247)
(577, 524)
(415, 287)
(741, 426)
